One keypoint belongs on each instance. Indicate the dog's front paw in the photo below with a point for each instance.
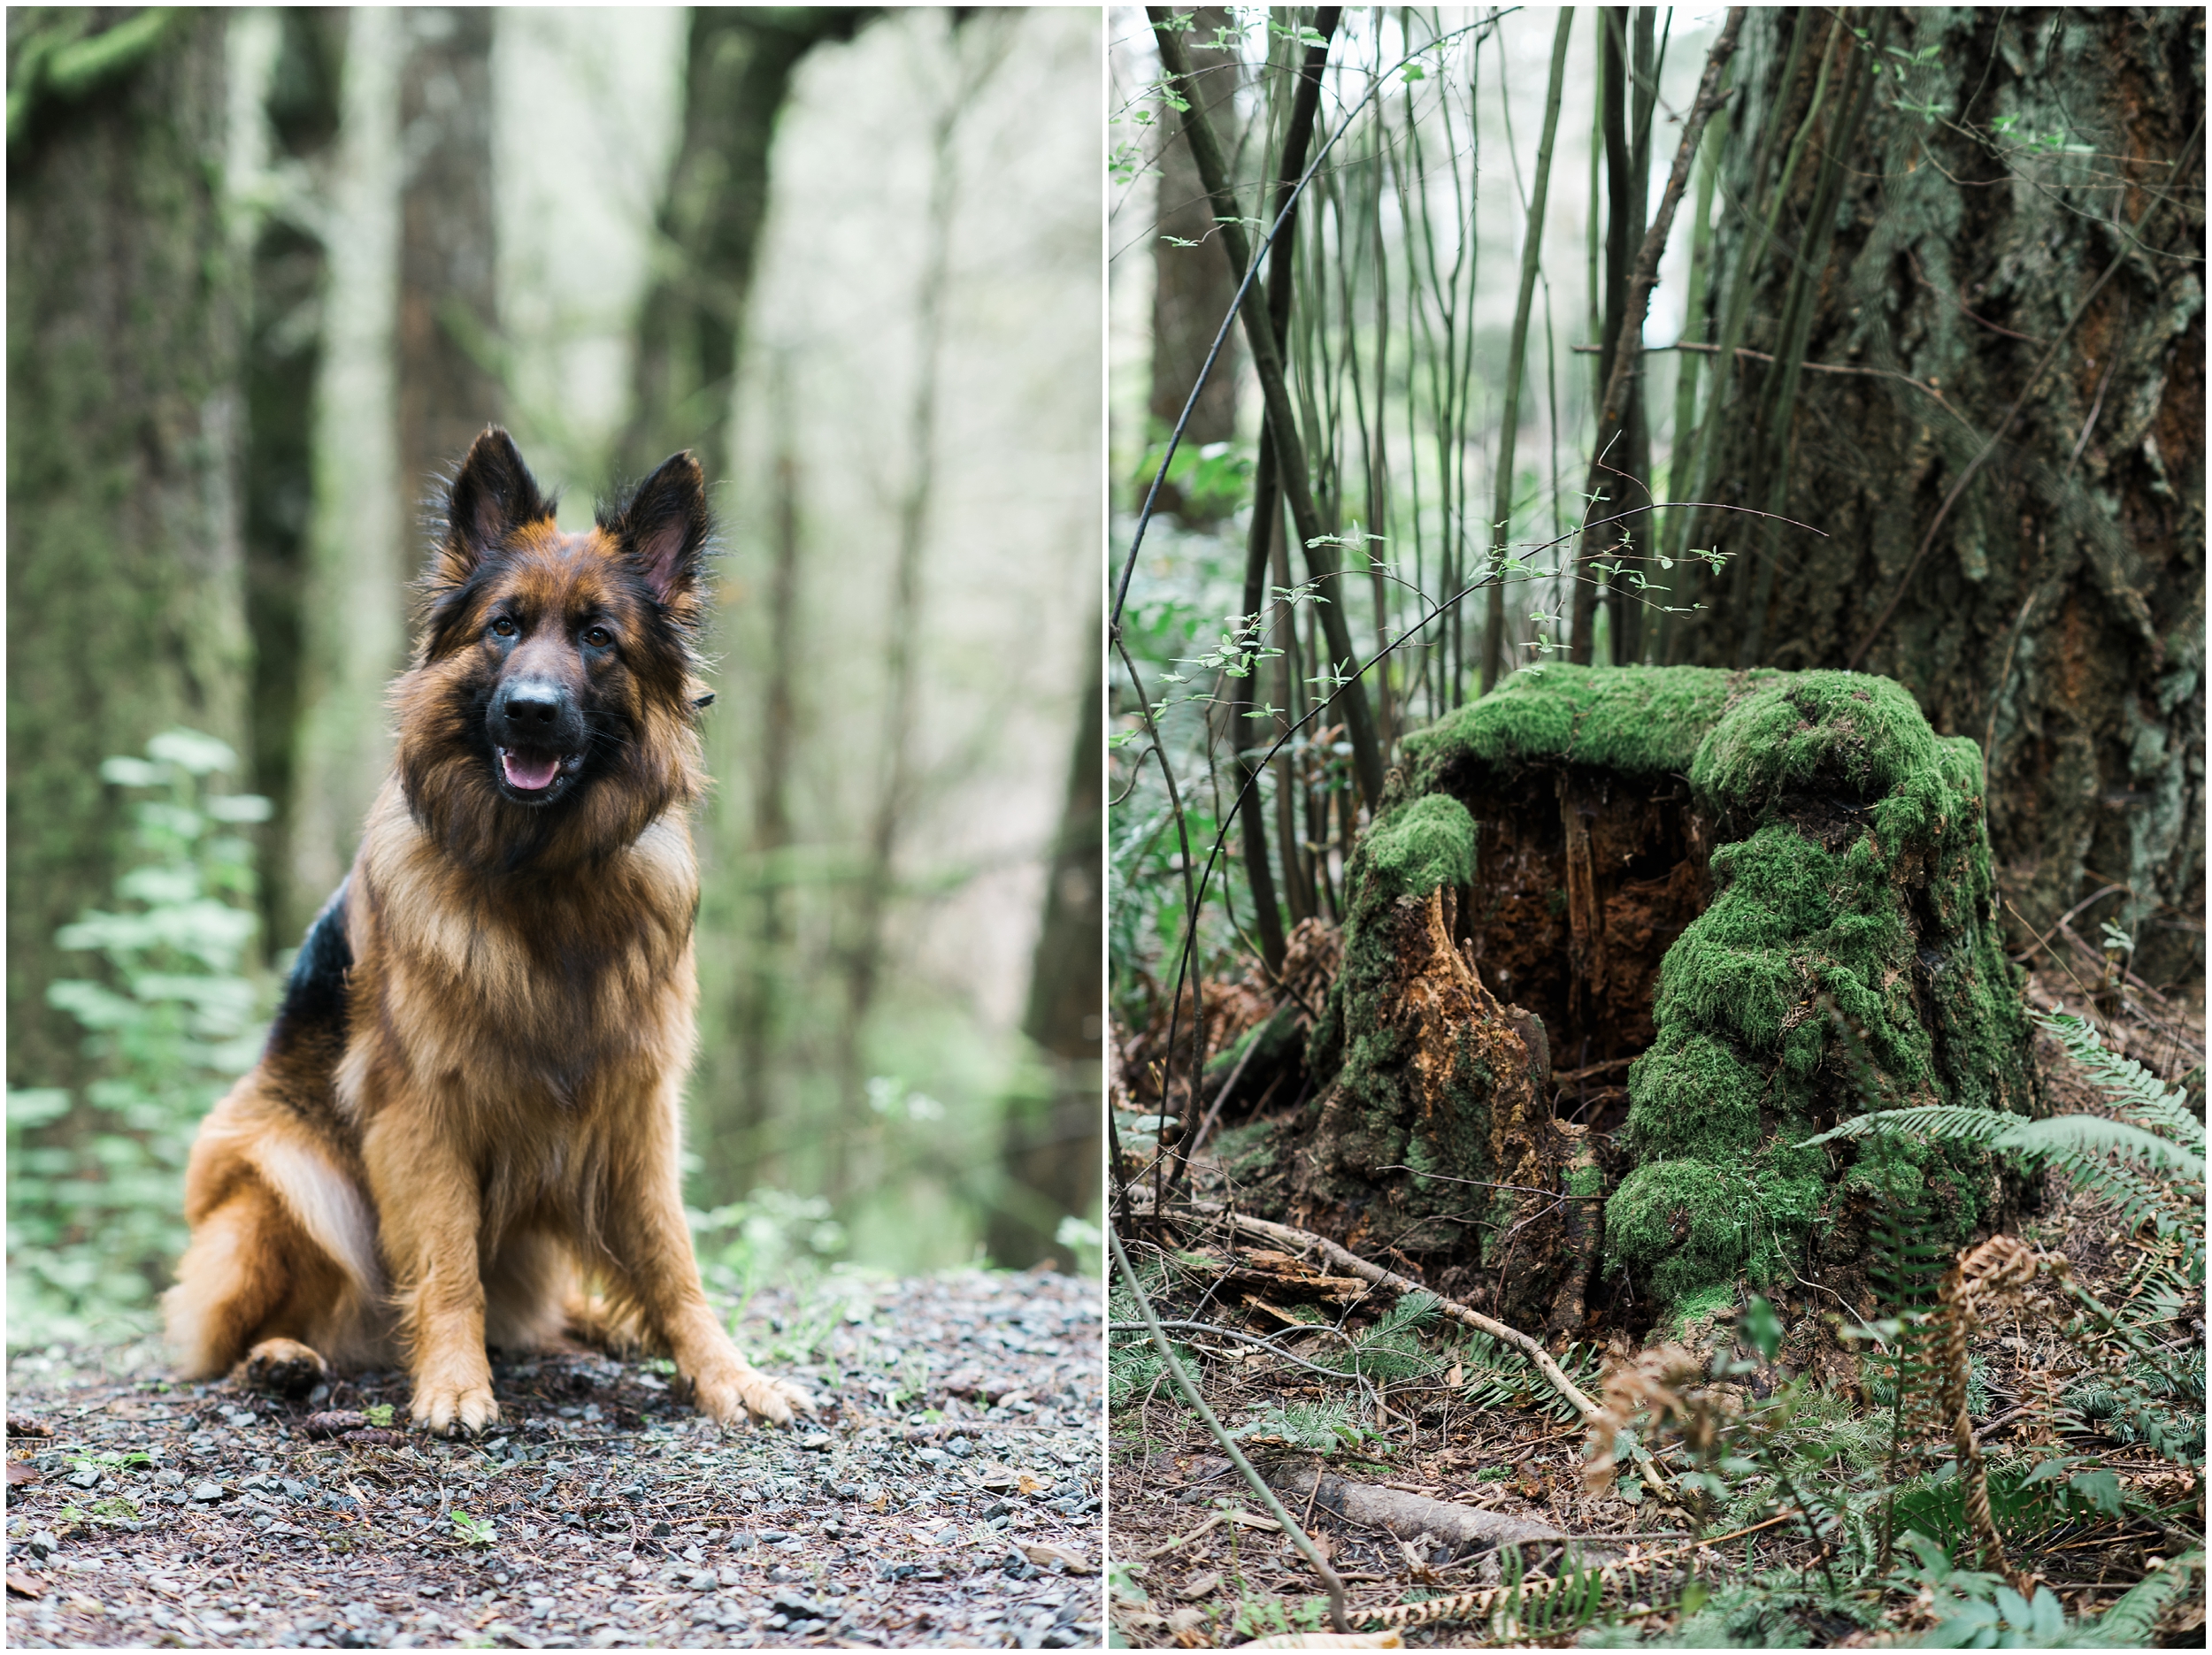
(732, 1389)
(284, 1368)
(448, 1409)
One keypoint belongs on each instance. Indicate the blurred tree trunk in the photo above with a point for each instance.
(2008, 472)
(733, 1144)
(861, 956)
(126, 612)
(449, 307)
(1053, 1156)
(362, 544)
(290, 270)
(737, 69)
(1193, 284)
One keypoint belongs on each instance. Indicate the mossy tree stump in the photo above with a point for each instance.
(1665, 923)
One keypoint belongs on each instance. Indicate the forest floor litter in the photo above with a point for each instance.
(945, 1493)
(1194, 1563)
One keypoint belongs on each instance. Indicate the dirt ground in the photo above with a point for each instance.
(946, 1494)
(1180, 1578)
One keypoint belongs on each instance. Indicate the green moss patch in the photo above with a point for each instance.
(1793, 849)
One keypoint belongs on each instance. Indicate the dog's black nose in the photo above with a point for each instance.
(529, 704)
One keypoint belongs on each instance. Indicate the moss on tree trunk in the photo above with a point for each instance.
(126, 608)
(1763, 900)
(2019, 231)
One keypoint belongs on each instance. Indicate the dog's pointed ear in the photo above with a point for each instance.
(663, 529)
(493, 494)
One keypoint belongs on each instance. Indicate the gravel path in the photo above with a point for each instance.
(946, 1494)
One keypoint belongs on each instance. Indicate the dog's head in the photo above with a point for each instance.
(548, 714)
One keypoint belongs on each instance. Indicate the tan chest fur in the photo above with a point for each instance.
(539, 1010)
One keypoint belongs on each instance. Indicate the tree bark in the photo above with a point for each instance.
(126, 611)
(284, 362)
(738, 66)
(1052, 1155)
(2010, 479)
(448, 302)
(757, 1011)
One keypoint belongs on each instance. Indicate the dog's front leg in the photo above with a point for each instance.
(658, 1271)
(429, 1206)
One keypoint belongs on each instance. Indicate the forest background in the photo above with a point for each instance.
(1918, 393)
(1968, 390)
(270, 270)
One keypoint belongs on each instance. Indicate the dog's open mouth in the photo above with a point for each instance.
(534, 773)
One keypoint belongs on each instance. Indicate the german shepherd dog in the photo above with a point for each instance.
(466, 1118)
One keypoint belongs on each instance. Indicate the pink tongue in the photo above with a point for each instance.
(531, 773)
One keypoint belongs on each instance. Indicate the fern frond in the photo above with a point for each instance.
(2077, 1142)
(2136, 1198)
(2131, 1622)
(2073, 1137)
(1391, 1348)
(2127, 1083)
(1944, 1123)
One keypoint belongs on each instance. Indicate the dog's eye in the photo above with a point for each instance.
(598, 637)
(502, 628)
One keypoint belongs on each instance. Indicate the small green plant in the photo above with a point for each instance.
(112, 1460)
(475, 1531)
(1324, 1428)
(770, 1236)
(1494, 1374)
(95, 1217)
(913, 1378)
(1391, 1349)
(1275, 1616)
(379, 1414)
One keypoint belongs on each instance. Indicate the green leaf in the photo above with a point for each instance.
(30, 1106)
(2101, 1490)
(191, 751)
(240, 808)
(123, 771)
(1763, 1328)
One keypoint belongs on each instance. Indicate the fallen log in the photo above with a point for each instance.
(1409, 1516)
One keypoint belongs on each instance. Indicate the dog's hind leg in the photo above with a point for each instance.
(591, 1319)
(246, 1286)
(281, 1275)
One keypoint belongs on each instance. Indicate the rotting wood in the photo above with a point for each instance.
(1409, 1516)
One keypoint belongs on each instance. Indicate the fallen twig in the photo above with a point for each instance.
(1357, 1377)
(1186, 1384)
(1466, 1314)
(1409, 1515)
(1242, 1519)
